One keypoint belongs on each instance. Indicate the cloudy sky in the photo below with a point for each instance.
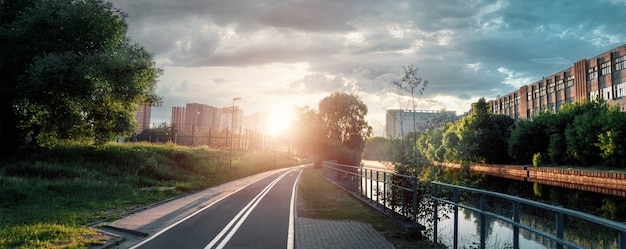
(279, 54)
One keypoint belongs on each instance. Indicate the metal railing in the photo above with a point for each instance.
(560, 214)
(395, 193)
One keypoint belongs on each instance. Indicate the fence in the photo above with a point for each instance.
(224, 137)
(398, 194)
(560, 214)
(394, 193)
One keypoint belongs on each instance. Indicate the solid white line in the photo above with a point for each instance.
(290, 234)
(241, 216)
(191, 215)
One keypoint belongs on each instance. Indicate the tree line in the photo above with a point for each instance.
(586, 133)
(69, 71)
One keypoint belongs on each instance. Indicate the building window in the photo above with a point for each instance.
(619, 90)
(605, 68)
(619, 63)
(551, 87)
(570, 80)
(592, 73)
(606, 93)
(593, 95)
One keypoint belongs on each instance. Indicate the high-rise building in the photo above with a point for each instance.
(401, 122)
(602, 77)
(142, 117)
(231, 116)
(200, 117)
(258, 121)
(178, 118)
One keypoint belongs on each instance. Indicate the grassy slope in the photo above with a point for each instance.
(46, 200)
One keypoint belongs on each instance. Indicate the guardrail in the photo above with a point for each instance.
(560, 214)
(395, 193)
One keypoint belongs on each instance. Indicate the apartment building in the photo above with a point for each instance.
(602, 77)
(231, 116)
(142, 117)
(194, 116)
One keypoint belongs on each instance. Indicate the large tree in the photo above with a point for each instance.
(337, 130)
(69, 71)
(343, 117)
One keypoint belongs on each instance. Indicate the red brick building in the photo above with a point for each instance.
(603, 76)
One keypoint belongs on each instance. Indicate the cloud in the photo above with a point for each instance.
(466, 49)
(514, 78)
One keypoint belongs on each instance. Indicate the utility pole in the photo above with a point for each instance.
(232, 130)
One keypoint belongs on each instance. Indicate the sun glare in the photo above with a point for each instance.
(278, 122)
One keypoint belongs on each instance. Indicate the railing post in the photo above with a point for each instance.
(456, 219)
(371, 185)
(483, 229)
(415, 203)
(559, 229)
(621, 239)
(435, 212)
(515, 226)
(385, 189)
(377, 187)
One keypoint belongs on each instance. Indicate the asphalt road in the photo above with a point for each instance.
(258, 216)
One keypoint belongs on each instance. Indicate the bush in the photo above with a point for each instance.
(537, 159)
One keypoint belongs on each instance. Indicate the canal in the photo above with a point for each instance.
(500, 234)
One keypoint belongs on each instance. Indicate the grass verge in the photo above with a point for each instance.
(47, 198)
(320, 199)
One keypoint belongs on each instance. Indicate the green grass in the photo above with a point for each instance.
(319, 199)
(47, 199)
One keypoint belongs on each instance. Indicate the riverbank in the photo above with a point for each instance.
(604, 181)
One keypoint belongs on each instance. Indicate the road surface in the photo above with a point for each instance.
(260, 215)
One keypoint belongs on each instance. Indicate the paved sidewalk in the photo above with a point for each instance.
(315, 233)
(309, 233)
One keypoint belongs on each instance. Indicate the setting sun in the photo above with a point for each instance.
(278, 122)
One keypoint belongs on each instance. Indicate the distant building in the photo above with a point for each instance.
(142, 117)
(199, 117)
(401, 122)
(178, 118)
(258, 121)
(229, 115)
(602, 76)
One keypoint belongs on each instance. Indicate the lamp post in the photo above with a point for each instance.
(232, 130)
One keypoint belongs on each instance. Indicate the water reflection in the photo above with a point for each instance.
(499, 234)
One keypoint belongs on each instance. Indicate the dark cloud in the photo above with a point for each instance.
(464, 48)
(311, 16)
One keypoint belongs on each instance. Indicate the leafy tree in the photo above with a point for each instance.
(69, 72)
(336, 131)
(376, 149)
(307, 133)
(343, 117)
(160, 134)
(612, 139)
(484, 136)
(527, 138)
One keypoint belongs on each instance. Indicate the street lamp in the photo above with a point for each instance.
(232, 130)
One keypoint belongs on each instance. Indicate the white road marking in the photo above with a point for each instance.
(290, 234)
(191, 215)
(241, 216)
